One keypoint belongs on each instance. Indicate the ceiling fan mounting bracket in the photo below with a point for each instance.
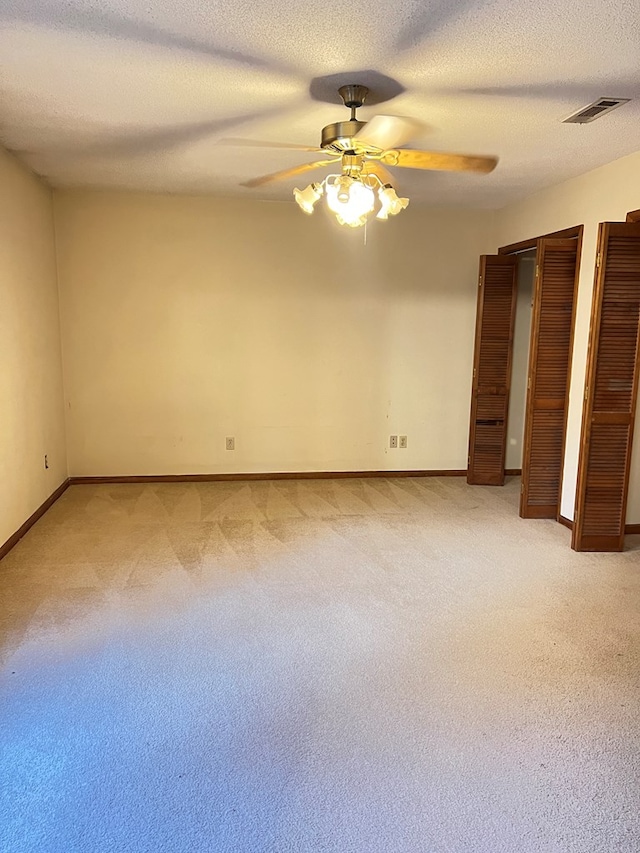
(353, 95)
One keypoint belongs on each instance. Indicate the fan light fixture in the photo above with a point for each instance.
(352, 197)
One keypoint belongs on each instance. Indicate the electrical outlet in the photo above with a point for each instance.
(403, 442)
(393, 441)
(231, 443)
(46, 460)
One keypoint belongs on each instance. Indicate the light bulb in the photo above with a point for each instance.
(343, 186)
(307, 197)
(390, 204)
(360, 202)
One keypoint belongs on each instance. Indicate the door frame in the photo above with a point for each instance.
(524, 245)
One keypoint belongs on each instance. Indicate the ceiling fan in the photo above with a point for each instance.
(362, 151)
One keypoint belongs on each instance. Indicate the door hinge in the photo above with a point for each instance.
(529, 384)
(598, 259)
(537, 270)
(468, 460)
(474, 372)
(586, 392)
(522, 488)
(480, 282)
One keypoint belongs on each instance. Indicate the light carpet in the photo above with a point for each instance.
(353, 666)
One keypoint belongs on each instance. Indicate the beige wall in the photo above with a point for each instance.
(31, 397)
(186, 320)
(606, 194)
(189, 319)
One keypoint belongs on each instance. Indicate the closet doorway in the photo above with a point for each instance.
(505, 382)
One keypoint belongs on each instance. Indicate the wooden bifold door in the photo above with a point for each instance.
(610, 395)
(552, 322)
(492, 369)
(553, 313)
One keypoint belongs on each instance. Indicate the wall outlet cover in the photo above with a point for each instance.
(230, 443)
(403, 442)
(393, 441)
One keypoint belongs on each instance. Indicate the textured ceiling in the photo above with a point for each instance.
(132, 94)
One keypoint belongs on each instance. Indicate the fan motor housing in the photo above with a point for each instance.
(339, 135)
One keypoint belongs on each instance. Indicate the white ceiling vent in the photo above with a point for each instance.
(595, 110)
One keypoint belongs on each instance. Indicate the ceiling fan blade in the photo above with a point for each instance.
(438, 160)
(256, 143)
(287, 173)
(376, 168)
(386, 132)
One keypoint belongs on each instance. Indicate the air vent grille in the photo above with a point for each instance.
(595, 110)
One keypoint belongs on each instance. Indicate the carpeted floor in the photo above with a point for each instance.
(345, 666)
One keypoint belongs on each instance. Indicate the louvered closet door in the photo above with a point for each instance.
(492, 369)
(611, 386)
(549, 367)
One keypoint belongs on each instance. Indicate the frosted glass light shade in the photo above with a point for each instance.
(307, 197)
(390, 204)
(360, 202)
